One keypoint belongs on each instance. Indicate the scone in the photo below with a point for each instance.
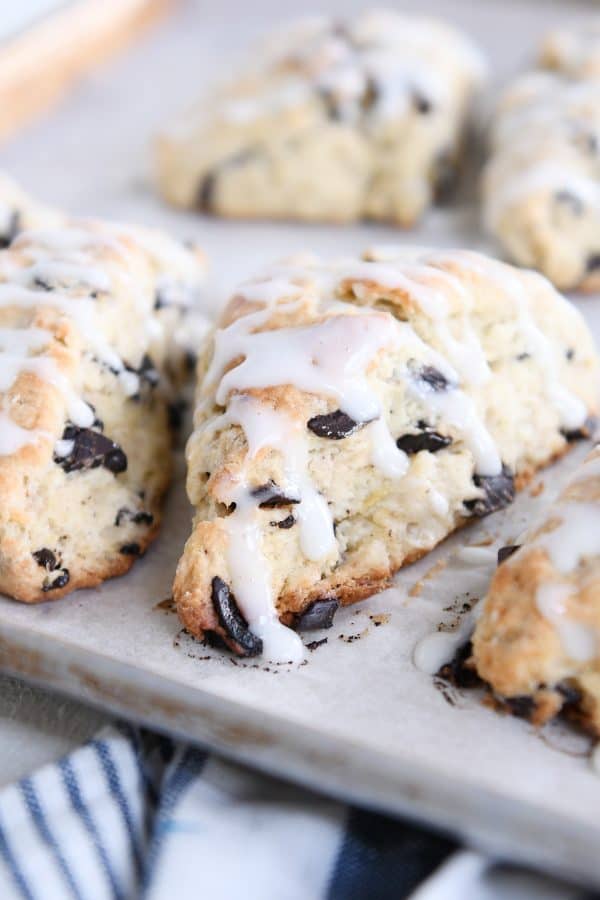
(574, 50)
(352, 414)
(88, 313)
(335, 121)
(541, 184)
(537, 642)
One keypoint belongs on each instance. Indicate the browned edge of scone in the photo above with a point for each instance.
(227, 626)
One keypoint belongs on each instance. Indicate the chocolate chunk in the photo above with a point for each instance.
(444, 176)
(175, 414)
(46, 559)
(370, 95)
(521, 357)
(522, 707)
(147, 371)
(505, 552)
(132, 549)
(57, 583)
(570, 354)
(427, 439)
(572, 695)
(318, 614)
(593, 262)
(499, 492)
(213, 639)
(285, 523)
(41, 284)
(334, 426)
(567, 198)
(422, 104)
(90, 450)
(13, 228)
(270, 495)
(206, 193)
(231, 619)
(458, 672)
(129, 515)
(581, 434)
(433, 378)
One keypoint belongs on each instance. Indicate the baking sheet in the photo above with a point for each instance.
(359, 720)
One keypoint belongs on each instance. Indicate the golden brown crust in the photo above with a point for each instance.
(381, 523)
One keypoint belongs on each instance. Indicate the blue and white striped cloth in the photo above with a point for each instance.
(134, 815)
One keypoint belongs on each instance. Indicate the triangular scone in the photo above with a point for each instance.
(334, 121)
(88, 316)
(537, 642)
(541, 184)
(352, 414)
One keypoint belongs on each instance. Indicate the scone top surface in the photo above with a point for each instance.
(351, 414)
(88, 314)
(336, 120)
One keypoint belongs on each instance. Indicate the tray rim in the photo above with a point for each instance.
(506, 828)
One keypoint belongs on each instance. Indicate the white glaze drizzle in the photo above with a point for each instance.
(331, 356)
(63, 259)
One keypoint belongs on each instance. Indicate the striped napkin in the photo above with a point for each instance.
(132, 814)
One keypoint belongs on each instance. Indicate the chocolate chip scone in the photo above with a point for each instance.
(574, 49)
(352, 414)
(541, 185)
(537, 643)
(336, 121)
(88, 313)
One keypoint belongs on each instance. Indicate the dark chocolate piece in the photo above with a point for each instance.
(175, 414)
(59, 582)
(138, 518)
(499, 492)
(432, 377)
(206, 193)
(132, 549)
(334, 426)
(285, 523)
(427, 439)
(521, 707)
(41, 284)
(570, 354)
(14, 226)
(270, 496)
(572, 695)
(593, 262)
(90, 450)
(319, 614)
(421, 103)
(444, 176)
(581, 434)
(505, 552)
(458, 672)
(46, 559)
(232, 621)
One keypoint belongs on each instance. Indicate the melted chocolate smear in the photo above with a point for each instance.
(57, 583)
(14, 226)
(319, 614)
(505, 552)
(334, 426)
(427, 439)
(457, 672)
(499, 492)
(90, 450)
(46, 559)
(232, 621)
(270, 496)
